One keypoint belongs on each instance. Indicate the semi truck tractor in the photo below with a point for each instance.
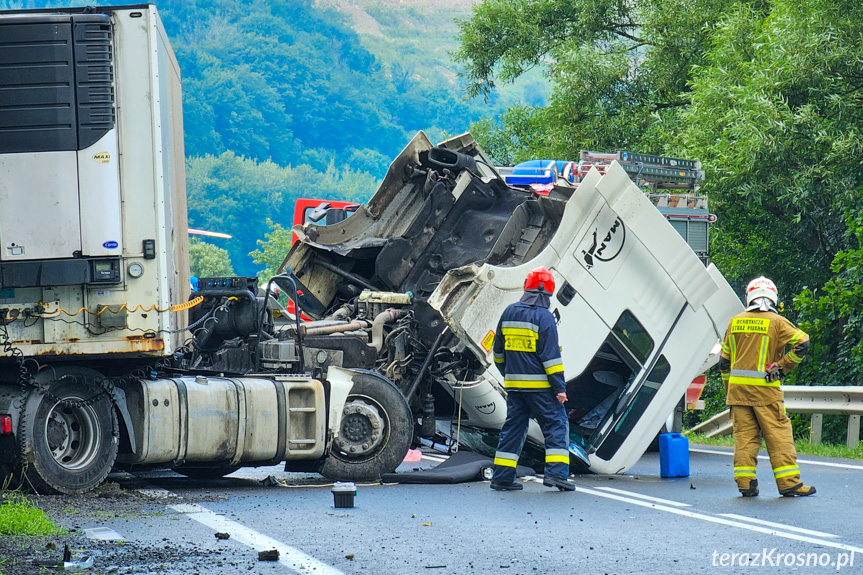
(110, 360)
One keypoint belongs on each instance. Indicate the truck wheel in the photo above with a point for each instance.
(375, 434)
(206, 472)
(67, 449)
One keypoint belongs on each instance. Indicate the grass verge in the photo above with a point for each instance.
(803, 446)
(20, 517)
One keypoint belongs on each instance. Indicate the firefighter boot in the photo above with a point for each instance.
(752, 491)
(511, 486)
(562, 483)
(798, 490)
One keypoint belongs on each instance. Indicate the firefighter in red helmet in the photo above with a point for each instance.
(527, 353)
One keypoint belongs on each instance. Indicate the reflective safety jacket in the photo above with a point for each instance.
(526, 348)
(754, 340)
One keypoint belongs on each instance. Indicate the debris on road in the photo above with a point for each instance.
(103, 534)
(413, 456)
(78, 565)
(222, 536)
(343, 494)
(271, 555)
(271, 481)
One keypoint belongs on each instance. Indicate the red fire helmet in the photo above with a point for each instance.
(539, 278)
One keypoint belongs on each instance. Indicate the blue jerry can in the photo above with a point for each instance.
(673, 455)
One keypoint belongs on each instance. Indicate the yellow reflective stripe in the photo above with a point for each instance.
(514, 384)
(504, 462)
(554, 369)
(796, 337)
(794, 357)
(736, 379)
(519, 331)
(557, 459)
(787, 474)
(762, 355)
(744, 474)
(745, 468)
(498, 359)
(785, 471)
(725, 348)
(724, 376)
(733, 345)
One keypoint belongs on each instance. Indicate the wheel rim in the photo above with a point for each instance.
(364, 427)
(73, 435)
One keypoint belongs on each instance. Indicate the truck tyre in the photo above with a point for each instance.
(67, 449)
(375, 434)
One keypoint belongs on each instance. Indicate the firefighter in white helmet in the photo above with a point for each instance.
(753, 362)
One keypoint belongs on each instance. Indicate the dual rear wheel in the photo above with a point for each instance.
(68, 437)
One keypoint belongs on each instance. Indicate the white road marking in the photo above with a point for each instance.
(779, 525)
(647, 497)
(806, 461)
(721, 520)
(288, 556)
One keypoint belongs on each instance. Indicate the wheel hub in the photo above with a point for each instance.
(72, 435)
(361, 430)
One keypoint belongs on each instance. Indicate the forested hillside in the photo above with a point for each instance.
(292, 98)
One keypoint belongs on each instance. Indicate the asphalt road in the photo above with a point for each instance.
(633, 523)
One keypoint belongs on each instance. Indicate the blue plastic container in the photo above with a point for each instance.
(673, 455)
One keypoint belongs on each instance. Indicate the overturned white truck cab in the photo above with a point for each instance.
(444, 246)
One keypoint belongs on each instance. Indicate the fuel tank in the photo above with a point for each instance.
(233, 421)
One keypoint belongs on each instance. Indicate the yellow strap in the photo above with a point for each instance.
(504, 462)
(557, 459)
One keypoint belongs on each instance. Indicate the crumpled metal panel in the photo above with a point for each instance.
(433, 213)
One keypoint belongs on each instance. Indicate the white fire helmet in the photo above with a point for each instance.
(761, 288)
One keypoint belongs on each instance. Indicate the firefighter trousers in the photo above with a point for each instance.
(551, 416)
(750, 423)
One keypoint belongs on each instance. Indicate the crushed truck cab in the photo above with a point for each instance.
(639, 316)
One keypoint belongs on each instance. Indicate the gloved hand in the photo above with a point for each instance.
(774, 372)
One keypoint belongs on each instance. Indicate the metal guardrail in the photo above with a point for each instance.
(817, 400)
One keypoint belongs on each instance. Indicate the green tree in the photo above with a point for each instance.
(777, 119)
(237, 196)
(619, 69)
(207, 260)
(272, 250)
